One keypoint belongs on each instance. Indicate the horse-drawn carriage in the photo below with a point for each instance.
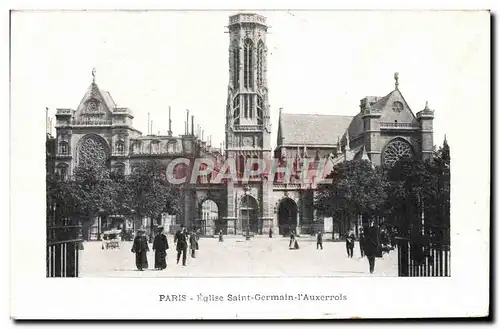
(111, 239)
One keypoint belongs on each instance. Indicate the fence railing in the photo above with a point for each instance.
(63, 246)
(423, 260)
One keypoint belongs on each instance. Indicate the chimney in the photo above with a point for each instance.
(169, 122)
(46, 120)
(192, 125)
(148, 123)
(187, 122)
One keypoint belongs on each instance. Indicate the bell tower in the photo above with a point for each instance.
(248, 126)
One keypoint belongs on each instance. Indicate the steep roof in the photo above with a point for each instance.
(312, 129)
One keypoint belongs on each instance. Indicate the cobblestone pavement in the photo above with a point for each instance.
(259, 257)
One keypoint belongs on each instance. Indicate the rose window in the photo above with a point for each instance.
(396, 150)
(93, 152)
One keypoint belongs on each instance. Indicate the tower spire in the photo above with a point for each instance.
(93, 75)
(396, 79)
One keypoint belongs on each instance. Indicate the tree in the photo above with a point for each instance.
(357, 188)
(149, 194)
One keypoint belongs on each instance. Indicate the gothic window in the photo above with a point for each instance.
(241, 165)
(248, 106)
(93, 152)
(255, 165)
(396, 150)
(248, 63)
(62, 171)
(260, 105)
(236, 65)
(120, 147)
(63, 148)
(260, 64)
(236, 109)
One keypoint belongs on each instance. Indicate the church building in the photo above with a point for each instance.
(382, 130)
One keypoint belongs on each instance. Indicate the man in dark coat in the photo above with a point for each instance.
(221, 237)
(270, 232)
(319, 240)
(181, 244)
(362, 242)
(160, 246)
(193, 244)
(372, 245)
(140, 248)
(349, 243)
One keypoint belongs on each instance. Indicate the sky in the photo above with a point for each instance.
(318, 62)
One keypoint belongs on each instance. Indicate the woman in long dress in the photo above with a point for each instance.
(160, 246)
(293, 241)
(140, 248)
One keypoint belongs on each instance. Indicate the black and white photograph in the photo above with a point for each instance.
(313, 152)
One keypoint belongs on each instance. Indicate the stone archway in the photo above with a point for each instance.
(209, 217)
(287, 216)
(249, 214)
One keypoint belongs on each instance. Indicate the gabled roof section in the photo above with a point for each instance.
(312, 129)
(386, 106)
(94, 92)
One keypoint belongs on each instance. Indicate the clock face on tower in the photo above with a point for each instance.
(247, 141)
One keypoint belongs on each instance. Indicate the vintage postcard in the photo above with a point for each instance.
(274, 164)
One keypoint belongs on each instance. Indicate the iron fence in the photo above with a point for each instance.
(63, 246)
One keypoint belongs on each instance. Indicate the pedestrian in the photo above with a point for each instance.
(140, 248)
(293, 241)
(372, 245)
(319, 240)
(181, 244)
(349, 243)
(221, 237)
(160, 246)
(193, 244)
(270, 232)
(362, 242)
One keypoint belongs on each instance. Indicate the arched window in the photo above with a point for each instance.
(248, 106)
(241, 165)
(260, 105)
(255, 165)
(236, 65)
(260, 64)
(63, 148)
(395, 150)
(93, 151)
(248, 63)
(62, 171)
(120, 147)
(236, 110)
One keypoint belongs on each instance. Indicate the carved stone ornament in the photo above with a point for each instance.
(397, 107)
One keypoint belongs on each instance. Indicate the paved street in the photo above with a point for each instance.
(236, 257)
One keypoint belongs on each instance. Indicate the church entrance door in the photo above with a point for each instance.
(287, 216)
